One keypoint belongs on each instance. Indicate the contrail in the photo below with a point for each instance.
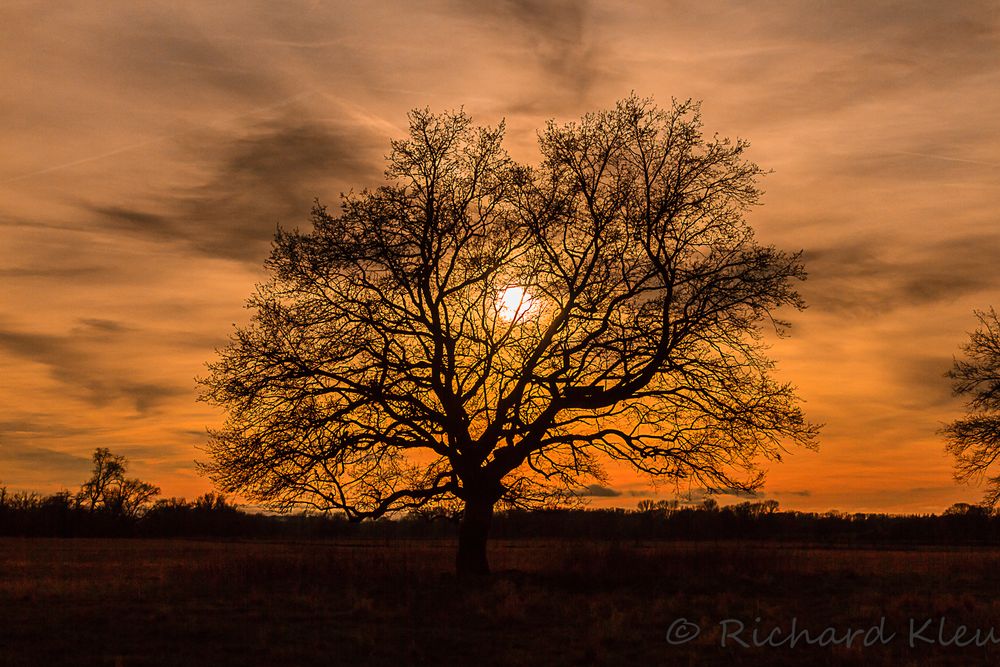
(147, 142)
(949, 159)
(92, 158)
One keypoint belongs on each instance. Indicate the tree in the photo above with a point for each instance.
(109, 470)
(477, 333)
(974, 440)
(108, 490)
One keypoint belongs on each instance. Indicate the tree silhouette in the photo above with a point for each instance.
(974, 440)
(108, 490)
(478, 333)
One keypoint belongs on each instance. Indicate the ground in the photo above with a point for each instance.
(188, 602)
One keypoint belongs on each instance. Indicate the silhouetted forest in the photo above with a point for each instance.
(61, 515)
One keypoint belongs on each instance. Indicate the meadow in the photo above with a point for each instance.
(137, 602)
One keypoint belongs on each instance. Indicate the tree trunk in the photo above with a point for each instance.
(472, 533)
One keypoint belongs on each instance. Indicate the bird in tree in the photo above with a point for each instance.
(974, 440)
(477, 333)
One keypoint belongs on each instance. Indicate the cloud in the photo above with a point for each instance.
(561, 42)
(39, 347)
(598, 491)
(75, 361)
(51, 272)
(876, 275)
(35, 427)
(856, 52)
(697, 495)
(739, 493)
(21, 459)
(259, 176)
(923, 383)
(804, 493)
(166, 52)
(102, 326)
(156, 52)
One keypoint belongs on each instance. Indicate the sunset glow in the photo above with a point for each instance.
(150, 150)
(513, 302)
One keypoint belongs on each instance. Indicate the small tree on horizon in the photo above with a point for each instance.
(477, 333)
(109, 490)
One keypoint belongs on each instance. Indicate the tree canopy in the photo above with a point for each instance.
(974, 439)
(478, 331)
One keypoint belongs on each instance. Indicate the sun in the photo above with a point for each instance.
(513, 302)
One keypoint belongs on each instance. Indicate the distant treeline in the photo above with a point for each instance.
(63, 515)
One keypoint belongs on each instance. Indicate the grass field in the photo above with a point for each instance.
(180, 602)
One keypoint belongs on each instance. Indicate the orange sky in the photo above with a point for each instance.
(150, 148)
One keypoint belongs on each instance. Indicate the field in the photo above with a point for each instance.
(187, 602)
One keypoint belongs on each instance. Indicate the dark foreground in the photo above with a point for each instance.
(163, 602)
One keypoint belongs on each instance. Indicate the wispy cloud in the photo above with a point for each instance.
(598, 491)
(872, 276)
(947, 158)
(74, 360)
(258, 177)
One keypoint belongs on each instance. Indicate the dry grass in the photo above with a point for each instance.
(160, 602)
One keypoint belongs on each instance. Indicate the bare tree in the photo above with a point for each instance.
(478, 333)
(108, 490)
(974, 440)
